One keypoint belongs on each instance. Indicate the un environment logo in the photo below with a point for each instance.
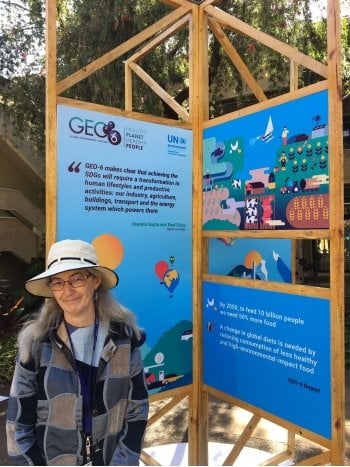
(113, 136)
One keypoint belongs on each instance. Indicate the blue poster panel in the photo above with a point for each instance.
(250, 258)
(269, 170)
(270, 350)
(126, 186)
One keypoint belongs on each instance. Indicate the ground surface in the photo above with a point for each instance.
(225, 425)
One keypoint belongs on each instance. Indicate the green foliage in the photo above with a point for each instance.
(87, 30)
(8, 350)
(21, 61)
(21, 37)
(16, 308)
(346, 56)
(110, 24)
(288, 21)
(23, 97)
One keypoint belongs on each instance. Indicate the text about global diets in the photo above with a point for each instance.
(257, 332)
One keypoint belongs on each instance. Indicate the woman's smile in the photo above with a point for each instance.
(74, 291)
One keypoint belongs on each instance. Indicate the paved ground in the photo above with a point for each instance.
(227, 422)
(225, 425)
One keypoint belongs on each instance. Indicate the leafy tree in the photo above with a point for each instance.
(22, 85)
(21, 36)
(86, 30)
(110, 24)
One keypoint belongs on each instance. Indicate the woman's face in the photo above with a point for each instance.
(76, 296)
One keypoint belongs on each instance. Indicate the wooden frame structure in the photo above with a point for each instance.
(202, 18)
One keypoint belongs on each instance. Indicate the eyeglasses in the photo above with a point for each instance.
(76, 281)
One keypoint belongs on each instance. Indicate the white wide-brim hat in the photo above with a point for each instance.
(68, 255)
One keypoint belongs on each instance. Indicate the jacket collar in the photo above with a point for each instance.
(61, 337)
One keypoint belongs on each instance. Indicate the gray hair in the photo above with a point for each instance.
(50, 315)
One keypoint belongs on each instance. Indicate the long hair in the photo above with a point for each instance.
(50, 315)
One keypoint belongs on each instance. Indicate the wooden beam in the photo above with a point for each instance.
(127, 87)
(147, 459)
(237, 61)
(242, 440)
(177, 3)
(163, 36)
(202, 74)
(293, 289)
(293, 76)
(51, 124)
(166, 408)
(291, 443)
(336, 225)
(294, 260)
(293, 234)
(319, 459)
(160, 91)
(130, 114)
(239, 26)
(279, 458)
(210, 2)
(198, 407)
(160, 396)
(123, 48)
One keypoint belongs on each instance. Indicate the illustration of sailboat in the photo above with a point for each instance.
(268, 136)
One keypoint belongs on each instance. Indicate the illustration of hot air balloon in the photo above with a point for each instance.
(160, 269)
(168, 276)
(171, 280)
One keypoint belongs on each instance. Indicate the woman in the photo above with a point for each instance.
(78, 394)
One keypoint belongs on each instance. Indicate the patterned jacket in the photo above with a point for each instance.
(44, 418)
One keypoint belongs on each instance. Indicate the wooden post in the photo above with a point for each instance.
(336, 226)
(294, 76)
(198, 407)
(51, 123)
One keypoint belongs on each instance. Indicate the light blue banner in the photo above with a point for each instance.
(270, 350)
(126, 186)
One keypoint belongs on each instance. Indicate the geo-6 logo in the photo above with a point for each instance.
(99, 129)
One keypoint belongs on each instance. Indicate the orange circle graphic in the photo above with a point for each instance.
(109, 249)
(252, 258)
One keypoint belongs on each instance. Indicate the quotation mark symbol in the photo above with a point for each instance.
(71, 167)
